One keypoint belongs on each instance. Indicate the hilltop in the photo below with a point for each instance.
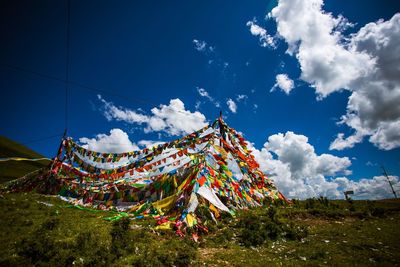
(10, 170)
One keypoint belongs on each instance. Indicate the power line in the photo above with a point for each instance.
(98, 90)
(67, 63)
(41, 139)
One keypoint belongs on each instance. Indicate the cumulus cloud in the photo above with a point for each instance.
(284, 83)
(202, 92)
(299, 172)
(231, 105)
(375, 188)
(313, 37)
(373, 109)
(341, 142)
(116, 142)
(264, 38)
(367, 63)
(172, 119)
(149, 143)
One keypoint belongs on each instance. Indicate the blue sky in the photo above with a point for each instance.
(141, 56)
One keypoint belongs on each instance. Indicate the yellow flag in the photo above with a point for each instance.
(165, 204)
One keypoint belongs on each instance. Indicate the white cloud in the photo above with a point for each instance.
(172, 119)
(284, 83)
(202, 92)
(242, 98)
(375, 188)
(203, 47)
(313, 36)
(149, 143)
(231, 105)
(373, 109)
(299, 172)
(113, 112)
(367, 63)
(199, 45)
(265, 39)
(197, 105)
(341, 143)
(117, 142)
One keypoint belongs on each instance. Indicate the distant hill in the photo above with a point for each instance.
(14, 169)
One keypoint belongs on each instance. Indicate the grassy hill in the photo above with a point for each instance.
(42, 230)
(14, 169)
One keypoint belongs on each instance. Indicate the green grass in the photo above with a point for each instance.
(45, 231)
(14, 169)
(34, 232)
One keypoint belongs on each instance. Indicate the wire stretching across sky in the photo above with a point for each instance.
(80, 85)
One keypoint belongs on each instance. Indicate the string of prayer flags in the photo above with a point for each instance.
(210, 168)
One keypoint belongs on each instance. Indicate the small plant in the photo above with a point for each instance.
(293, 232)
(310, 203)
(173, 252)
(258, 229)
(120, 237)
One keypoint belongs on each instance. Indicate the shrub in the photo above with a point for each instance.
(293, 232)
(256, 230)
(120, 237)
(39, 247)
(378, 212)
(173, 252)
(310, 203)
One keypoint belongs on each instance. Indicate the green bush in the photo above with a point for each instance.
(256, 230)
(293, 232)
(41, 248)
(120, 237)
(173, 252)
(38, 247)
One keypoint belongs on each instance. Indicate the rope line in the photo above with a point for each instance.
(67, 60)
(83, 86)
(23, 159)
(41, 139)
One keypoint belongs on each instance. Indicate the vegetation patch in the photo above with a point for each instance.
(43, 231)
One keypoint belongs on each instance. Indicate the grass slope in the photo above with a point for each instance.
(14, 169)
(44, 231)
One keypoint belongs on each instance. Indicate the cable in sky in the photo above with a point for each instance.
(67, 62)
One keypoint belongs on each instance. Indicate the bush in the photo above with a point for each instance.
(293, 232)
(173, 252)
(36, 248)
(41, 248)
(223, 237)
(120, 237)
(310, 203)
(256, 230)
(378, 212)
(50, 224)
